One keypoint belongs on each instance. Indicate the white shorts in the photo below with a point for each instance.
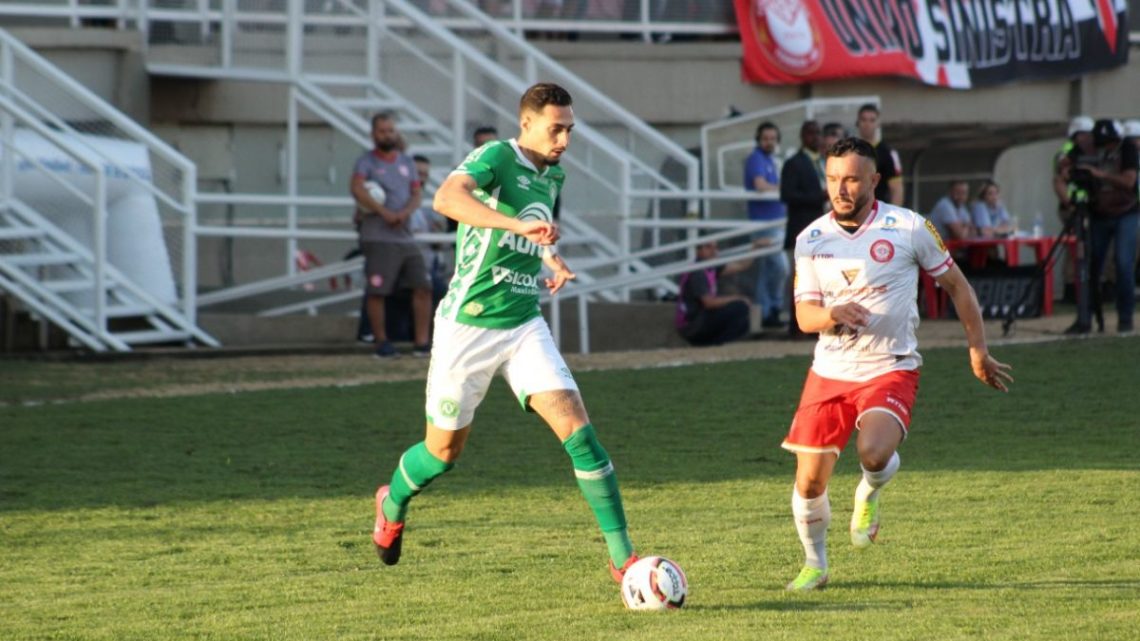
(465, 358)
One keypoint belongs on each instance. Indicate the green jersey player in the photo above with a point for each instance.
(502, 196)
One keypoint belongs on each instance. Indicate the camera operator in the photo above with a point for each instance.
(1108, 176)
(1080, 142)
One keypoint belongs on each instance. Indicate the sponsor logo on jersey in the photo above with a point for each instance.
(814, 235)
(533, 211)
(937, 237)
(890, 224)
(822, 256)
(882, 251)
(524, 183)
(473, 308)
(520, 283)
(850, 275)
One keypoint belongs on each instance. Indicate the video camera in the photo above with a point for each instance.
(1082, 177)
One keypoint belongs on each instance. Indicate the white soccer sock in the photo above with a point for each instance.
(812, 517)
(872, 482)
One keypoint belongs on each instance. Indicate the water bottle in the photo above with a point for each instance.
(1038, 225)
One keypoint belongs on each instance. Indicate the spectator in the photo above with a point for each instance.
(705, 317)
(833, 132)
(803, 189)
(989, 215)
(1114, 214)
(762, 175)
(950, 215)
(428, 221)
(391, 258)
(484, 135)
(890, 188)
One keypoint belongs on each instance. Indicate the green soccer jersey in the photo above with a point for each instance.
(496, 282)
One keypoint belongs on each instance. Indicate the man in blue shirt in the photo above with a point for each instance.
(762, 175)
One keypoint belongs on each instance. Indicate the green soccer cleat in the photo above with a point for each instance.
(865, 523)
(808, 579)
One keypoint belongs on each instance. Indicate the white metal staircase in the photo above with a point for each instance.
(54, 274)
(429, 74)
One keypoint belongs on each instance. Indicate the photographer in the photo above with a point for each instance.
(1108, 176)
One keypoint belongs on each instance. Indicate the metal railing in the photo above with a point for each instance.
(648, 20)
(65, 129)
(695, 232)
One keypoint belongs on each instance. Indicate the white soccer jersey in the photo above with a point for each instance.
(877, 267)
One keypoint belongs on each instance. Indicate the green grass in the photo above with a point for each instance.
(247, 516)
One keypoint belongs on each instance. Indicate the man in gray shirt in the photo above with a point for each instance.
(950, 215)
(391, 257)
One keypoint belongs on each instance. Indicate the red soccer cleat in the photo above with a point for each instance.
(617, 573)
(387, 536)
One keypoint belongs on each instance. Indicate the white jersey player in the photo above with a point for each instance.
(856, 284)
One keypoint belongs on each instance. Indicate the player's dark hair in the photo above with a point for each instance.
(542, 94)
(870, 106)
(421, 158)
(834, 129)
(383, 115)
(852, 145)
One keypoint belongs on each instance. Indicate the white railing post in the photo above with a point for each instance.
(99, 242)
(372, 46)
(204, 19)
(7, 128)
(583, 325)
(624, 209)
(291, 136)
(227, 31)
(458, 106)
(294, 33)
(190, 245)
(142, 22)
(516, 16)
(643, 20)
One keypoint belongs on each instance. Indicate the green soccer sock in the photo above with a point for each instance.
(599, 485)
(416, 469)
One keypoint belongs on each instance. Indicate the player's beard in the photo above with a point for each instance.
(860, 204)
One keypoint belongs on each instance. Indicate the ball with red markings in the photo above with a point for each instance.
(654, 583)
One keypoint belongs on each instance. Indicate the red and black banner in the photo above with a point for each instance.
(950, 43)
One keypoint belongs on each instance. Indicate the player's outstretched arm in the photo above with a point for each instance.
(562, 273)
(454, 200)
(986, 368)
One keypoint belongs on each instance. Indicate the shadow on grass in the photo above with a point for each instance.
(705, 423)
(805, 604)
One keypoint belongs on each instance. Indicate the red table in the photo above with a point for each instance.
(977, 251)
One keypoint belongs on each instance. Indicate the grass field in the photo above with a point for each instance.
(247, 516)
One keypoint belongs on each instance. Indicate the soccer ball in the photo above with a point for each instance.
(654, 583)
(376, 191)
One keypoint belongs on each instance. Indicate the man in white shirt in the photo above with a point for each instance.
(856, 277)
